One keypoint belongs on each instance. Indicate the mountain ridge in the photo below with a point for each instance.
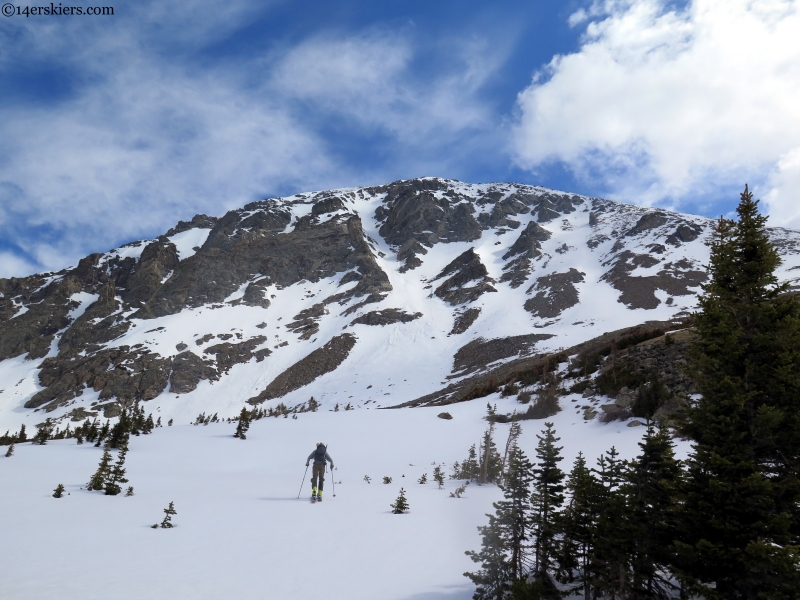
(312, 289)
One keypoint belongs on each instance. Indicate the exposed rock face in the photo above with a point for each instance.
(639, 292)
(306, 322)
(320, 361)
(555, 293)
(527, 247)
(413, 210)
(464, 320)
(465, 269)
(386, 316)
(408, 252)
(198, 221)
(255, 293)
(478, 354)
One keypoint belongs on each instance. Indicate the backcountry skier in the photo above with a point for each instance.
(320, 455)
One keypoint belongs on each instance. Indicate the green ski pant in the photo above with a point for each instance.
(317, 477)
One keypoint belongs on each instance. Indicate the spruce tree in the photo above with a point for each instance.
(168, 512)
(652, 484)
(43, 433)
(129, 491)
(490, 467)
(22, 437)
(547, 499)
(612, 534)
(59, 491)
(400, 505)
(243, 425)
(495, 578)
(98, 480)
(578, 522)
(438, 476)
(117, 474)
(10, 450)
(740, 522)
(424, 479)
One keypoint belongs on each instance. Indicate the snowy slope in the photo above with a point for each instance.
(628, 265)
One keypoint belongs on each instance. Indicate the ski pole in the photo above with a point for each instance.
(332, 479)
(304, 480)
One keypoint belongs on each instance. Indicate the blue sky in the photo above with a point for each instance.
(114, 127)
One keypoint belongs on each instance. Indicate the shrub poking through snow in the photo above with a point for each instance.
(387, 480)
(10, 450)
(129, 491)
(400, 505)
(459, 490)
(59, 491)
(167, 522)
(438, 476)
(367, 478)
(169, 423)
(424, 479)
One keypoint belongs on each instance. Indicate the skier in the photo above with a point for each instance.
(320, 455)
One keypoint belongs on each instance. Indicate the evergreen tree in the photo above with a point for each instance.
(168, 512)
(59, 491)
(424, 479)
(400, 505)
(22, 437)
(79, 438)
(122, 429)
(578, 523)
(10, 450)
(43, 433)
(470, 468)
(98, 480)
(494, 579)
(513, 435)
(740, 522)
(652, 485)
(243, 425)
(117, 474)
(169, 423)
(102, 434)
(129, 491)
(612, 535)
(490, 465)
(438, 476)
(547, 499)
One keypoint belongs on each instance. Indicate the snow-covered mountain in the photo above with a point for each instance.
(369, 296)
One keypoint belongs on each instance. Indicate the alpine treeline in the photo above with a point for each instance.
(725, 523)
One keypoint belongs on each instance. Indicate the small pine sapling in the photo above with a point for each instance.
(168, 512)
(367, 478)
(79, 438)
(424, 479)
(400, 505)
(169, 423)
(387, 480)
(459, 490)
(438, 476)
(10, 450)
(59, 491)
(158, 422)
(129, 491)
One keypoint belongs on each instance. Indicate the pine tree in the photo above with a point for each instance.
(387, 480)
(43, 433)
(513, 435)
(400, 505)
(578, 523)
(122, 429)
(243, 425)
(98, 480)
(612, 534)
(740, 522)
(169, 423)
(547, 499)
(79, 438)
(652, 485)
(10, 450)
(424, 479)
(491, 465)
(168, 512)
(59, 491)
(470, 468)
(22, 437)
(117, 474)
(129, 491)
(438, 476)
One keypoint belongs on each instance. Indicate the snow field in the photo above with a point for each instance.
(240, 529)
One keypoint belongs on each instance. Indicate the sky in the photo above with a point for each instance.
(113, 128)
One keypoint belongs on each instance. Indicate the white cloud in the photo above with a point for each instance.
(661, 106)
(142, 141)
(12, 265)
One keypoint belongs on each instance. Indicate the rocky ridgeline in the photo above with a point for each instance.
(73, 321)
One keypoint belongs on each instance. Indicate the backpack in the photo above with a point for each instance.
(319, 457)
